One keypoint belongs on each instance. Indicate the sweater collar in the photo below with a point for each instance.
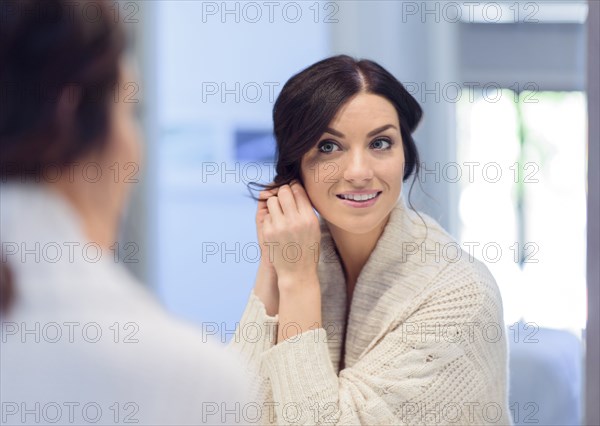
(33, 212)
(383, 288)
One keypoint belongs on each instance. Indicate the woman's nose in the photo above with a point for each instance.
(358, 168)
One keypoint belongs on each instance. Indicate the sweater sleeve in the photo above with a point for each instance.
(255, 333)
(442, 365)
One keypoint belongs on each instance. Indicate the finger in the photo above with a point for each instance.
(261, 209)
(263, 196)
(266, 193)
(267, 219)
(274, 209)
(262, 200)
(266, 225)
(287, 201)
(302, 200)
(260, 215)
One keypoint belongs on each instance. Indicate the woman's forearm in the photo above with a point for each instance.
(299, 305)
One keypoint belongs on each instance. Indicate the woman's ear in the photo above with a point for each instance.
(67, 105)
(65, 118)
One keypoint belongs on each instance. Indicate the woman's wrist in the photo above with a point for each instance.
(294, 283)
(299, 309)
(265, 288)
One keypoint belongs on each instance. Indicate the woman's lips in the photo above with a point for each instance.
(360, 204)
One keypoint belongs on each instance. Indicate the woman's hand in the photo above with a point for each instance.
(265, 286)
(291, 233)
(261, 212)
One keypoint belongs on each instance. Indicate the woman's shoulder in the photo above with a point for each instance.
(114, 331)
(446, 266)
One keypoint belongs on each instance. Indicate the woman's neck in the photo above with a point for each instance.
(100, 221)
(354, 250)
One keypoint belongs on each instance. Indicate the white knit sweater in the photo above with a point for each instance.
(424, 339)
(86, 343)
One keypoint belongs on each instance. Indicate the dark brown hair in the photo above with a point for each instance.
(50, 49)
(310, 100)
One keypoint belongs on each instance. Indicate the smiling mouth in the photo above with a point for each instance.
(360, 198)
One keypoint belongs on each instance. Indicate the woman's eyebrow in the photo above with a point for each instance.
(381, 129)
(371, 133)
(334, 132)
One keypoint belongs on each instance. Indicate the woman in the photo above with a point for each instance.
(82, 341)
(364, 315)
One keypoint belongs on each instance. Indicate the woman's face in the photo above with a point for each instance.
(359, 157)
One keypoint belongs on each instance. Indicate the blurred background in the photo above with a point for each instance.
(502, 145)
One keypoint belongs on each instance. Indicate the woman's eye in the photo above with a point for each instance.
(381, 144)
(327, 147)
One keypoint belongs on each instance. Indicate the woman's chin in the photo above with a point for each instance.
(356, 220)
(355, 225)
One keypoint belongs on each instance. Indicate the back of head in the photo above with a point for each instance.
(60, 64)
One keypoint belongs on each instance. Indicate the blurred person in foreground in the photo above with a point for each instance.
(81, 340)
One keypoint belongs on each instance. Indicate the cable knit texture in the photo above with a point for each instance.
(424, 339)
